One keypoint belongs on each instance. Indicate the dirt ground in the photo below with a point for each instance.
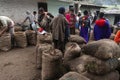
(19, 64)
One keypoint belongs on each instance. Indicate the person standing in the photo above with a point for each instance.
(30, 18)
(84, 23)
(102, 28)
(7, 25)
(67, 29)
(44, 19)
(58, 25)
(72, 21)
(77, 19)
(35, 16)
(35, 24)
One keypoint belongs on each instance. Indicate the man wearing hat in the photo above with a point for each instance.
(58, 29)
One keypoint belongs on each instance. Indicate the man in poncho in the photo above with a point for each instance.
(58, 25)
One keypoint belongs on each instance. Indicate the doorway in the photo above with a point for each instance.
(43, 5)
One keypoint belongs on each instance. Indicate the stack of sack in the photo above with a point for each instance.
(39, 49)
(73, 76)
(78, 39)
(18, 28)
(20, 39)
(5, 42)
(44, 42)
(44, 38)
(104, 60)
(31, 37)
(51, 64)
(72, 51)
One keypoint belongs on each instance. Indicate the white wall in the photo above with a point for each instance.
(53, 6)
(16, 9)
(111, 18)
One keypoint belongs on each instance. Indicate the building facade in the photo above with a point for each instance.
(16, 9)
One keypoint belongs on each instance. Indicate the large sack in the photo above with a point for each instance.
(20, 39)
(103, 49)
(31, 37)
(77, 32)
(18, 28)
(102, 67)
(39, 49)
(72, 51)
(110, 76)
(51, 64)
(78, 64)
(83, 60)
(46, 38)
(5, 42)
(73, 76)
(78, 39)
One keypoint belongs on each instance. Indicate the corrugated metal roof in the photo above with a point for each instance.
(66, 0)
(92, 5)
(114, 10)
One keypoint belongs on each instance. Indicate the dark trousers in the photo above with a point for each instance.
(72, 30)
(59, 45)
(31, 27)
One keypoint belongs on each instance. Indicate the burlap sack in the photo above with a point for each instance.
(112, 36)
(20, 39)
(72, 51)
(51, 64)
(110, 76)
(39, 49)
(5, 42)
(83, 60)
(78, 64)
(102, 67)
(31, 37)
(103, 49)
(46, 38)
(77, 39)
(77, 32)
(18, 28)
(73, 76)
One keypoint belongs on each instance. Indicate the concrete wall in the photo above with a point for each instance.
(16, 9)
(53, 6)
(111, 18)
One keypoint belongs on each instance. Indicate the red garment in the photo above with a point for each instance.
(117, 37)
(72, 20)
(100, 22)
(68, 17)
(40, 29)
